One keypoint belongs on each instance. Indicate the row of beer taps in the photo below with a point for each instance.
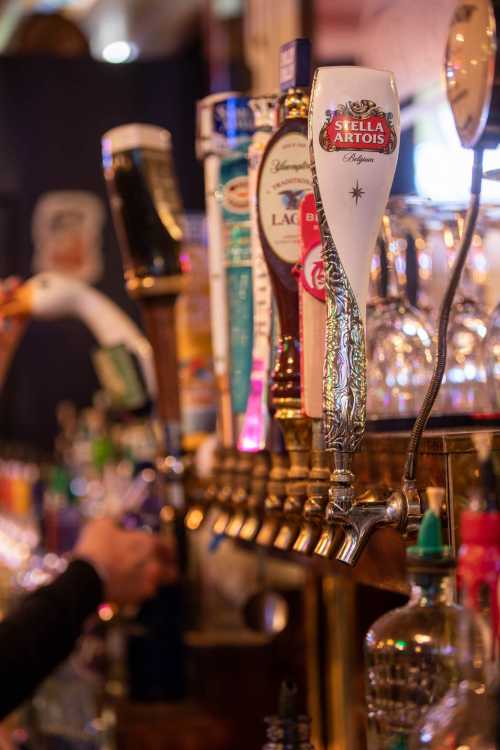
(287, 482)
(296, 188)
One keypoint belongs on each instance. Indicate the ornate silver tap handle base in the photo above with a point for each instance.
(344, 373)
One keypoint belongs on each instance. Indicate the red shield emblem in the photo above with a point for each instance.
(312, 273)
(358, 126)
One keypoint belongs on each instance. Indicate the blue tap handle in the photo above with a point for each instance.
(236, 217)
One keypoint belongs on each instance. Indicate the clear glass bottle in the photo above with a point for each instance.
(467, 718)
(410, 652)
(288, 730)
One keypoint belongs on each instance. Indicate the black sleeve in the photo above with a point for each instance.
(42, 630)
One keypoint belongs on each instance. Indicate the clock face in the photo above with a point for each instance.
(470, 67)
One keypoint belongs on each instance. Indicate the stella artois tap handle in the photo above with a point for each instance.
(353, 139)
(146, 209)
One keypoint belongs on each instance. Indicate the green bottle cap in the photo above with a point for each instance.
(429, 547)
(430, 538)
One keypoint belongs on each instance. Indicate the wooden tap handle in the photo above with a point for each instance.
(158, 315)
(284, 178)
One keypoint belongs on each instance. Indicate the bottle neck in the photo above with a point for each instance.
(430, 589)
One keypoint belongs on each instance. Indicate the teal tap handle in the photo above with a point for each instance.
(238, 265)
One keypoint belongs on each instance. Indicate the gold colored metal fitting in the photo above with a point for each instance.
(243, 470)
(296, 494)
(213, 486)
(227, 476)
(287, 408)
(297, 434)
(273, 504)
(224, 491)
(242, 476)
(296, 104)
(317, 495)
(256, 497)
(318, 486)
(276, 495)
(258, 481)
(292, 512)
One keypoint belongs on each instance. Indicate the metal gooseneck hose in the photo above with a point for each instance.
(410, 470)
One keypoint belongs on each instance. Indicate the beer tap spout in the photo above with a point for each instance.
(399, 509)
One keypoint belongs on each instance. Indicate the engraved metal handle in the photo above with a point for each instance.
(353, 141)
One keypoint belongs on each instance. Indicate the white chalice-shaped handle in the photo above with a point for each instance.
(354, 140)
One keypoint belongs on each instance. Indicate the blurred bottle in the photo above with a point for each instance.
(410, 652)
(288, 730)
(468, 717)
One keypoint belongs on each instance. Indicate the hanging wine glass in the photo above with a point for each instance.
(401, 355)
(424, 231)
(492, 358)
(464, 385)
(376, 294)
(487, 269)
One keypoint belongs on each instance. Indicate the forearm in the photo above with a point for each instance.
(41, 632)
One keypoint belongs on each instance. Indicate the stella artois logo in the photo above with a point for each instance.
(358, 126)
(312, 273)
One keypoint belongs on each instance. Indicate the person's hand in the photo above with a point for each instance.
(5, 738)
(131, 563)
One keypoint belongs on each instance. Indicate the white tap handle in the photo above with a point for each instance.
(354, 132)
(354, 140)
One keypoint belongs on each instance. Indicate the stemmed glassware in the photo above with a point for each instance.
(399, 348)
(464, 387)
(411, 264)
(492, 358)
